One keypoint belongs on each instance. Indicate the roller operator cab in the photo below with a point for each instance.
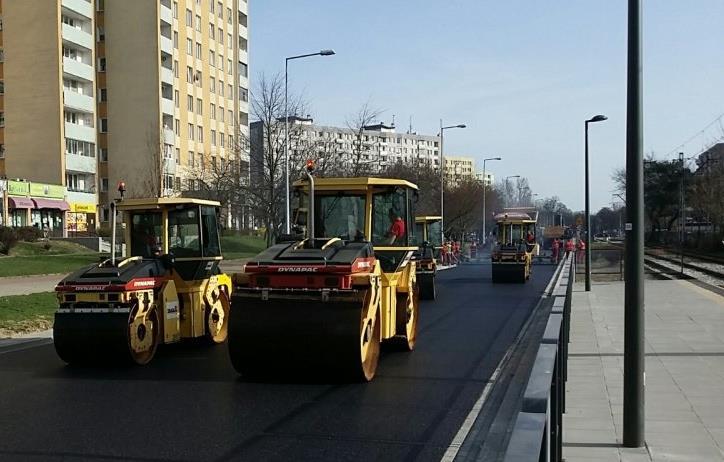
(168, 288)
(428, 235)
(516, 244)
(322, 305)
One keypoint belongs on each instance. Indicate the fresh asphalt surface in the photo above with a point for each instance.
(189, 404)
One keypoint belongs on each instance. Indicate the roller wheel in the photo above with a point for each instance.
(408, 310)
(427, 289)
(143, 329)
(217, 317)
(369, 346)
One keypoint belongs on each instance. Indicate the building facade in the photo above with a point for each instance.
(459, 169)
(48, 114)
(374, 148)
(151, 92)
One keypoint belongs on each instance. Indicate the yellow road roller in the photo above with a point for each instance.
(516, 243)
(322, 304)
(428, 231)
(168, 288)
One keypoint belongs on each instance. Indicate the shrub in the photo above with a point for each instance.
(29, 233)
(8, 239)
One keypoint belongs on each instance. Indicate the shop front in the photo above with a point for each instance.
(37, 204)
(81, 218)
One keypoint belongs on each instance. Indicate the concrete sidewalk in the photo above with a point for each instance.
(684, 375)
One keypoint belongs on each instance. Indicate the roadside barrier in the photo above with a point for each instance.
(537, 432)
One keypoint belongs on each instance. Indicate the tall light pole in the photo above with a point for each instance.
(286, 130)
(597, 118)
(633, 347)
(485, 184)
(442, 179)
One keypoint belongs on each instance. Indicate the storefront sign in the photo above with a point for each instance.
(18, 188)
(82, 208)
(47, 190)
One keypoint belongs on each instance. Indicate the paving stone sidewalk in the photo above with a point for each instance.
(684, 375)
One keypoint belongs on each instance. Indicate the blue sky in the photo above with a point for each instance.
(522, 74)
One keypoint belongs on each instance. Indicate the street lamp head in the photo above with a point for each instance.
(460, 126)
(326, 52)
(497, 158)
(597, 118)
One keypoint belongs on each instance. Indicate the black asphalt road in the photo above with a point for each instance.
(190, 405)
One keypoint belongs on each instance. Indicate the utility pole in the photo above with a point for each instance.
(633, 356)
(682, 213)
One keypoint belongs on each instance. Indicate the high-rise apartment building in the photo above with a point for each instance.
(458, 169)
(48, 114)
(151, 92)
(173, 94)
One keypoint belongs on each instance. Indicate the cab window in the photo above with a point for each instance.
(210, 231)
(340, 215)
(145, 234)
(391, 218)
(183, 232)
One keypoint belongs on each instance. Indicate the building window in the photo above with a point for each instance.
(213, 111)
(101, 64)
(191, 131)
(80, 148)
(212, 29)
(221, 10)
(198, 23)
(221, 36)
(190, 103)
(243, 69)
(104, 125)
(230, 42)
(197, 78)
(212, 85)
(231, 116)
(175, 40)
(213, 137)
(176, 98)
(2, 87)
(221, 114)
(230, 141)
(104, 154)
(189, 18)
(212, 58)
(191, 159)
(2, 151)
(100, 34)
(189, 47)
(243, 94)
(211, 7)
(230, 90)
(178, 155)
(221, 88)
(221, 139)
(228, 15)
(189, 74)
(243, 43)
(103, 94)
(177, 127)
(199, 106)
(221, 62)
(175, 10)
(230, 68)
(175, 68)
(100, 5)
(198, 50)
(200, 133)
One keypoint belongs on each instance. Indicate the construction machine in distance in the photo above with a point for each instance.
(512, 255)
(321, 305)
(428, 232)
(169, 287)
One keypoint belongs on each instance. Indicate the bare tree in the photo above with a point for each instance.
(266, 191)
(150, 183)
(363, 159)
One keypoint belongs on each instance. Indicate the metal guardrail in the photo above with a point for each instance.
(608, 261)
(538, 430)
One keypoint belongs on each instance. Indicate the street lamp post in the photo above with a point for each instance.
(597, 118)
(442, 179)
(287, 225)
(485, 181)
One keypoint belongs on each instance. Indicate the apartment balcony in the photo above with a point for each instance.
(78, 163)
(82, 7)
(77, 101)
(82, 197)
(166, 45)
(169, 166)
(165, 13)
(166, 75)
(80, 132)
(169, 137)
(167, 106)
(78, 69)
(77, 36)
